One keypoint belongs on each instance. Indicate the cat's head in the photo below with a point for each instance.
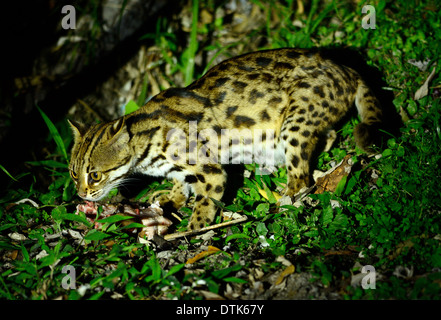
(101, 158)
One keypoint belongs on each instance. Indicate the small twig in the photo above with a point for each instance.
(176, 216)
(192, 232)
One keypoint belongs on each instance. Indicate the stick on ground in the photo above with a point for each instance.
(193, 232)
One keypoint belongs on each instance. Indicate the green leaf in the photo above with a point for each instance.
(77, 218)
(131, 106)
(97, 295)
(237, 236)
(262, 209)
(132, 225)
(25, 253)
(327, 215)
(235, 280)
(54, 133)
(48, 163)
(352, 182)
(95, 235)
(7, 226)
(143, 94)
(223, 272)
(114, 218)
(270, 194)
(7, 173)
(175, 269)
(387, 152)
(340, 186)
(155, 268)
(436, 258)
(261, 229)
(218, 203)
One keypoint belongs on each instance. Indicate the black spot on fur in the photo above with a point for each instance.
(263, 62)
(255, 95)
(264, 116)
(294, 128)
(220, 98)
(306, 133)
(274, 101)
(231, 110)
(206, 168)
(253, 76)
(223, 67)
(243, 121)
(239, 86)
(295, 161)
(191, 179)
(294, 142)
(221, 81)
(303, 84)
(218, 129)
(246, 68)
(319, 90)
(293, 54)
(185, 93)
(283, 65)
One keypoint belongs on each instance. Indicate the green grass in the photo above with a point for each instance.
(386, 213)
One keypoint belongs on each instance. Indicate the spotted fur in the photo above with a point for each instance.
(298, 94)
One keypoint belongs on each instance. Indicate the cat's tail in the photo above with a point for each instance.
(367, 133)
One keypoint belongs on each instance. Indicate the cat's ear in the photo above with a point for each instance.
(117, 127)
(118, 136)
(78, 129)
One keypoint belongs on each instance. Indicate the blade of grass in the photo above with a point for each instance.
(193, 46)
(143, 94)
(54, 133)
(218, 52)
(323, 14)
(6, 171)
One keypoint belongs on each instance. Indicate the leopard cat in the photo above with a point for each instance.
(293, 95)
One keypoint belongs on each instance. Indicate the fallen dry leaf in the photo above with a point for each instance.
(424, 89)
(405, 245)
(265, 195)
(289, 270)
(339, 253)
(10, 255)
(17, 236)
(229, 216)
(211, 250)
(329, 181)
(208, 295)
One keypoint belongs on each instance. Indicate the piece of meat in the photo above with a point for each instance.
(151, 217)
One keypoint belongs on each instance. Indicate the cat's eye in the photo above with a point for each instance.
(95, 176)
(73, 174)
